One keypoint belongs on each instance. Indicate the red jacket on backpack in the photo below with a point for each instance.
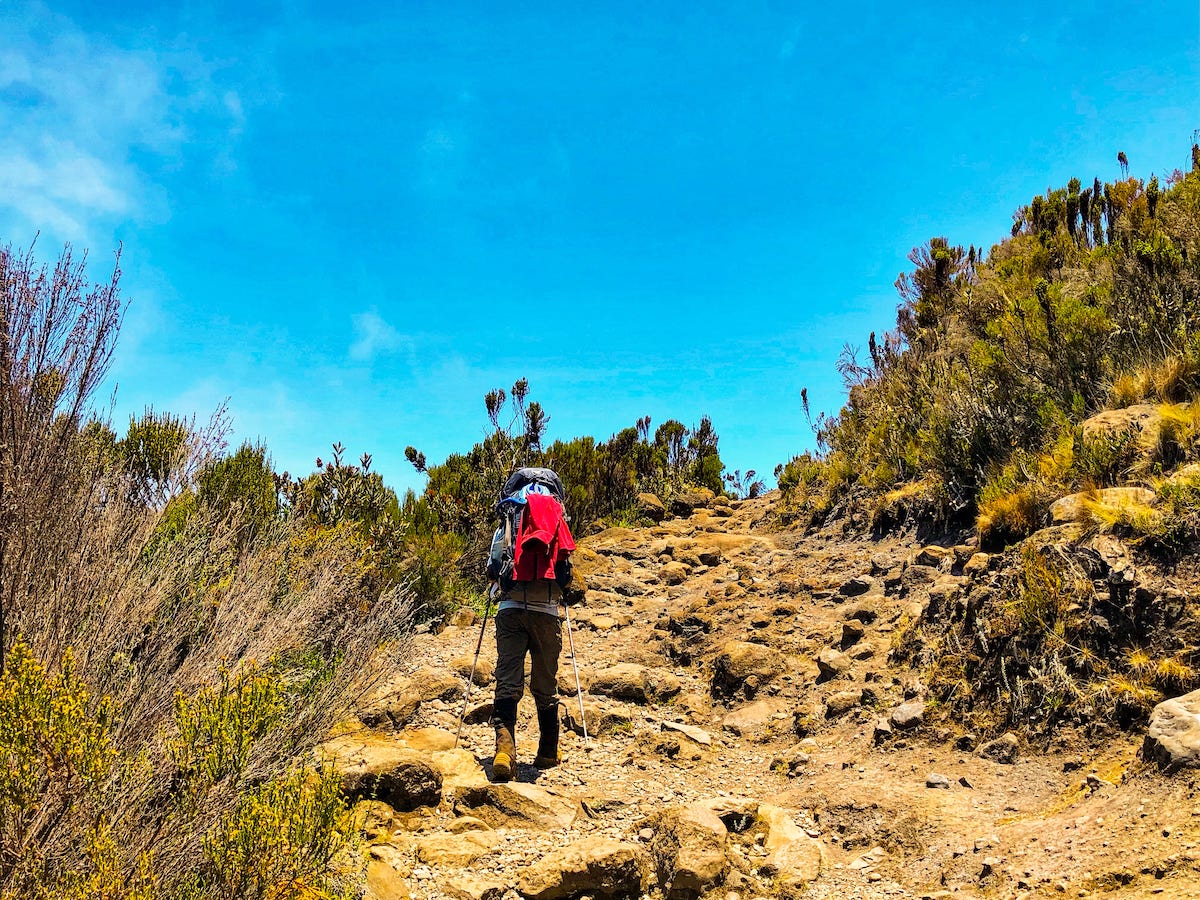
(544, 538)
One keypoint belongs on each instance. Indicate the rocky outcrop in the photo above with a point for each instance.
(1072, 508)
(634, 683)
(1173, 735)
(743, 668)
(793, 857)
(598, 865)
(375, 768)
(689, 850)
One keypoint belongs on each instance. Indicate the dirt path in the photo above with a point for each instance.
(669, 600)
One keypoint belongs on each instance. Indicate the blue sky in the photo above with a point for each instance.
(353, 222)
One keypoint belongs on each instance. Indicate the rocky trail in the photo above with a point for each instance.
(749, 737)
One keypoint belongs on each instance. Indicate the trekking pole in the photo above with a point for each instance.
(578, 686)
(487, 608)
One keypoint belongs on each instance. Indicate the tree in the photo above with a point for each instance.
(1123, 162)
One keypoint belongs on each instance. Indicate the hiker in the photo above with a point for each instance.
(530, 568)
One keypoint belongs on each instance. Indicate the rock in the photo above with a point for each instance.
(739, 662)
(842, 702)
(883, 730)
(688, 849)
(602, 718)
(832, 663)
(1138, 417)
(484, 669)
(793, 857)
(852, 632)
(428, 740)
(501, 805)
(977, 565)
(674, 573)
(934, 780)
(398, 701)
(384, 882)
(375, 768)
(858, 586)
(709, 557)
(650, 507)
(1003, 749)
(1173, 735)
(908, 715)
(468, 887)
(1071, 508)
(463, 617)
(687, 501)
(634, 683)
(597, 865)
(459, 768)
(753, 721)
(932, 556)
(691, 732)
(456, 850)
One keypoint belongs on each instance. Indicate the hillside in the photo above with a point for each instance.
(757, 729)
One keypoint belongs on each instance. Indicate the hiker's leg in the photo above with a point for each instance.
(511, 644)
(545, 640)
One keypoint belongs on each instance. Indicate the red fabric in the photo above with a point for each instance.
(544, 538)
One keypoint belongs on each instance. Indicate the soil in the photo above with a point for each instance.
(1082, 817)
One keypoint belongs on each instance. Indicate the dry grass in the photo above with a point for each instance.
(122, 623)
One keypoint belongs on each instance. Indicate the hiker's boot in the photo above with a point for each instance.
(548, 755)
(504, 719)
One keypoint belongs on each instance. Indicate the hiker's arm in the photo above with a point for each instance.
(563, 571)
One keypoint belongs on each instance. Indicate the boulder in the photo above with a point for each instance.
(427, 740)
(598, 865)
(687, 501)
(743, 668)
(977, 565)
(1003, 749)
(793, 857)
(468, 887)
(650, 507)
(459, 768)
(1173, 736)
(384, 882)
(484, 669)
(674, 573)
(1139, 417)
(932, 556)
(754, 721)
(375, 768)
(691, 732)
(517, 803)
(858, 586)
(908, 715)
(842, 702)
(832, 663)
(397, 702)
(456, 850)
(634, 683)
(688, 849)
(1071, 508)
(601, 718)
(852, 631)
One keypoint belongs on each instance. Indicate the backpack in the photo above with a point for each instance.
(543, 561)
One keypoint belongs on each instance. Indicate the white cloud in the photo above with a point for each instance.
(85, 125)
(374, 337)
